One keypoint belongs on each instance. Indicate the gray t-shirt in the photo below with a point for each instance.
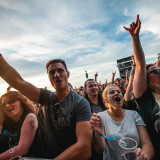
(127, 128)
(96, 108)
(61, 118)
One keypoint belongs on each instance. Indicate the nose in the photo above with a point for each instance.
(57, 74)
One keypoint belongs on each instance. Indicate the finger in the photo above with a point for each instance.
(133, 25)
(139, 23)
(138, 151)
(137, 19)
(127, 29)
(94, 123)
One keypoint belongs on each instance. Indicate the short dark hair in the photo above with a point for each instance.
(56, 61)
(85, 84)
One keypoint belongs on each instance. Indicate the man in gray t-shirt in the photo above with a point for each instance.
(67, 115)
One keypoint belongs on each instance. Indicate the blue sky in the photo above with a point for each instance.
(87, 34)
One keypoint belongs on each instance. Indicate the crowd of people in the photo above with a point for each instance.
(84, 123)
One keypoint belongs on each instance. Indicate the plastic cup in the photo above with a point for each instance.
(128, 145)
(16, 158)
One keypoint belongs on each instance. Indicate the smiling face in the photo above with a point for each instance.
(91, 88)
(113, 96)
(154, 78)
(58, 75)
(11, 108)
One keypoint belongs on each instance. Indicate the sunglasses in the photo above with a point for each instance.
(56, 110)
(155, 71)
(9, 102)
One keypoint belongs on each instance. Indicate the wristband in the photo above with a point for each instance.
(108, 138)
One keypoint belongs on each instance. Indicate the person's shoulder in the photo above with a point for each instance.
(31, 116)
(76, 96)
(131, 112)
(46, 90)
(102, 113)
(44, 93)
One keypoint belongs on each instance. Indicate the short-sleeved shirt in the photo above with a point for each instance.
(61, 119)
(150, 112)
(96, 108)
(126, 128)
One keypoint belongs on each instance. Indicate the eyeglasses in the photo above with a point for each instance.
(56, 110)
(155, 71)
(9, 102)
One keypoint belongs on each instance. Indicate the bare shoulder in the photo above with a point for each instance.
(31, 120)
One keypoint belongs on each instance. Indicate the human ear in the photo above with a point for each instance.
(68, 74)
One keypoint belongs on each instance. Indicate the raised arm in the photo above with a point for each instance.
(95, 76)
(82, 148)
(13, 78)
(97, 126)
(113, 76)
(27, 134)
(140, 77)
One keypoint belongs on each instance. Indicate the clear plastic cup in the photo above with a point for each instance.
(16, 158)
(128, 145)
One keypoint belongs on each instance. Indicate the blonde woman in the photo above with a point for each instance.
(116, 121)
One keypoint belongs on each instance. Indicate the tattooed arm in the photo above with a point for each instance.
(27, 134)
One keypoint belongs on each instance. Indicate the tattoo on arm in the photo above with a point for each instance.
(32, 122)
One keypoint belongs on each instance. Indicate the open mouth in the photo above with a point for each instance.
(10, 110)
(57, 81)
(117, 99)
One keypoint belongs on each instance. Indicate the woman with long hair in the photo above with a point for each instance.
(19, 127)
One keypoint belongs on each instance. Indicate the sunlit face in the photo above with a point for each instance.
(91, 88)
(114, 96)
(58, 75)
(154, 78)
(12, 109)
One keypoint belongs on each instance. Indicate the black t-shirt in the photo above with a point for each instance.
(61, 118)
(150, 112)
(10, 136)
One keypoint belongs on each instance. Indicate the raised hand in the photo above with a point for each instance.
(96, 123)
(113, 73)
(134, 27)
(96, 75)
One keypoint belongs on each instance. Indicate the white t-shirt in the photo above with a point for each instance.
(126, 128)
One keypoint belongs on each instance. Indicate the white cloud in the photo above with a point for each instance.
(89, 35)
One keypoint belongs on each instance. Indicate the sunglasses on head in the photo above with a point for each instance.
(9, 102)
(155, 71)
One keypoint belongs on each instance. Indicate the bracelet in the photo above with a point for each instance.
(108, 138)
(99, 135)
